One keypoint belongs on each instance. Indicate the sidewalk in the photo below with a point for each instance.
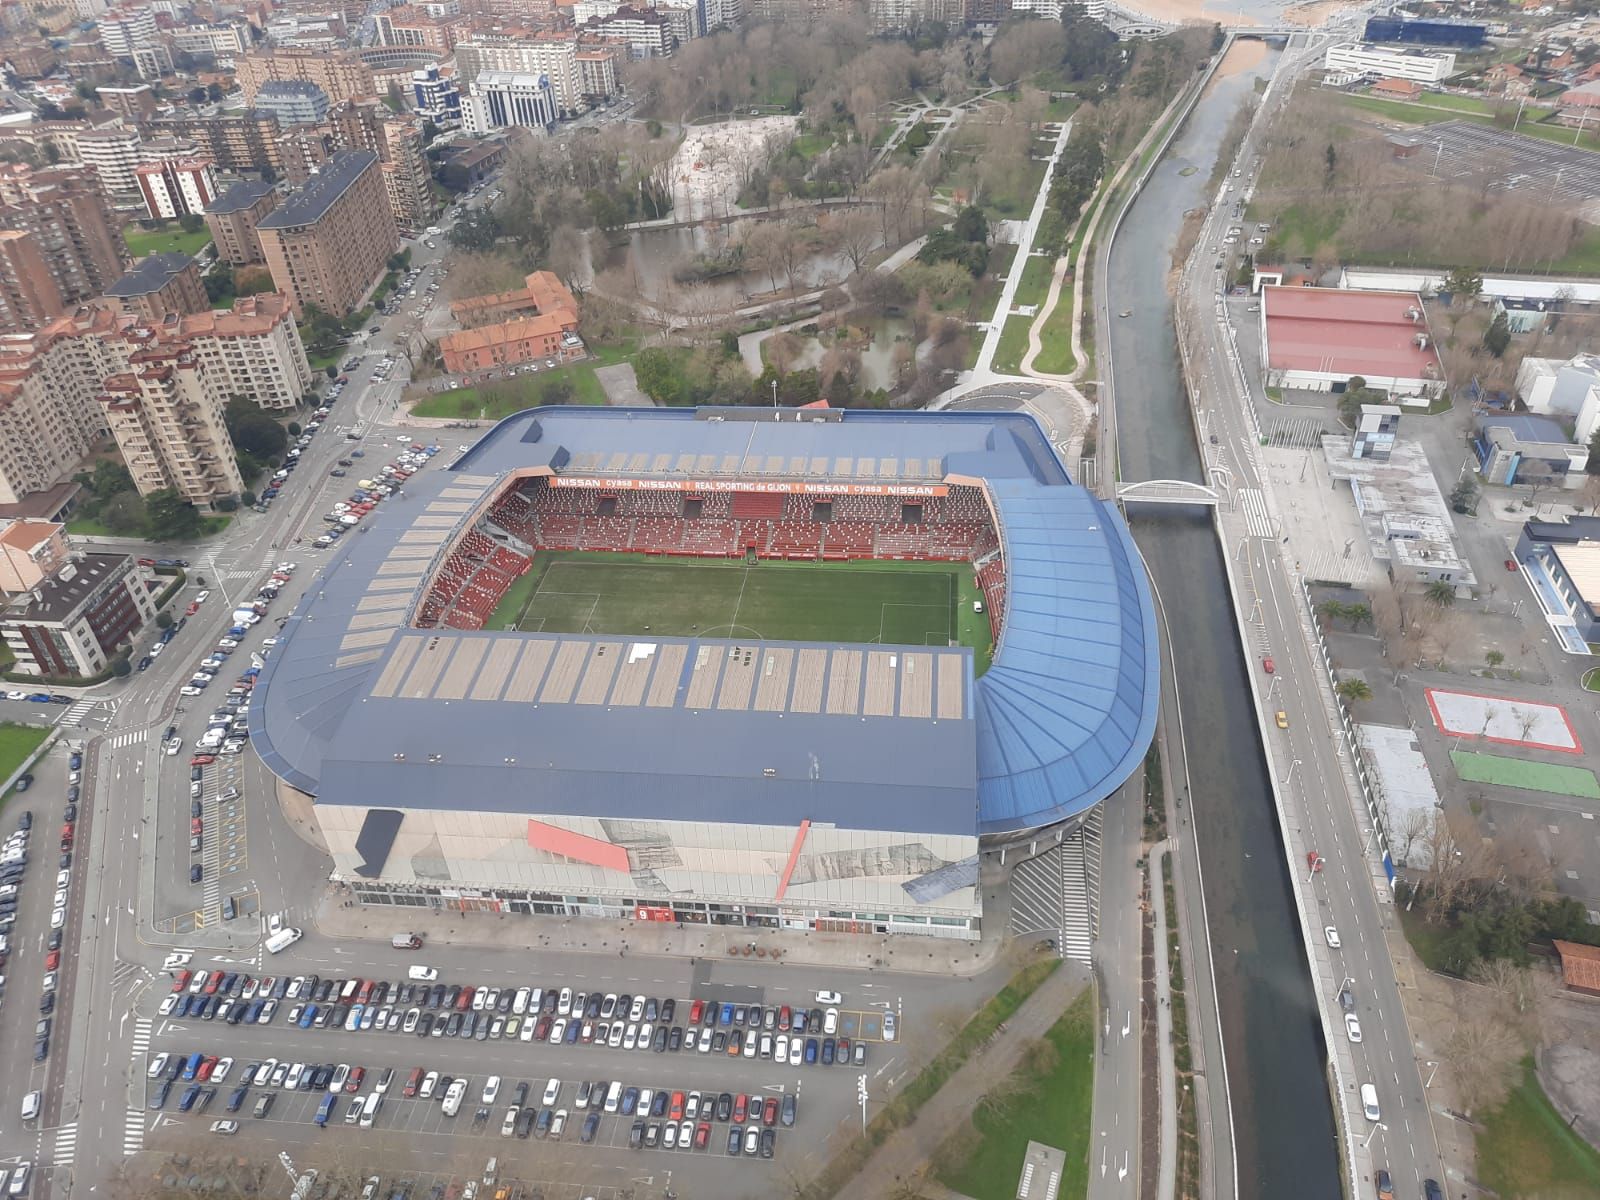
(902, 1159)
(595, 935)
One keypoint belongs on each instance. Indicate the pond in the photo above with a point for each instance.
(877, 356)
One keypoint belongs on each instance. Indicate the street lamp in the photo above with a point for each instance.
(861, 1095)
(1288, 775)
(1433, 1069)
(1379, 1125)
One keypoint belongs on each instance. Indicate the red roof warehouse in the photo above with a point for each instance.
(1317, 338)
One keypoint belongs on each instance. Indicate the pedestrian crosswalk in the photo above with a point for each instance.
(142, 1027)
(130, 738)
(133, 1132)
(78, 712)
(1256, 518)
(66, 1145)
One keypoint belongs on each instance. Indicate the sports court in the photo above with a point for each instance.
(1529, 776)
(895, 603)
(1495, 719)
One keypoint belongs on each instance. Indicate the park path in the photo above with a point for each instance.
(905, 1155)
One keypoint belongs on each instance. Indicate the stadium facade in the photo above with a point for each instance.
(719, 779)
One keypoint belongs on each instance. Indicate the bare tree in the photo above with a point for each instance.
(1537, 476)
(1483, 1053)
(1460, 858)
(855, 232)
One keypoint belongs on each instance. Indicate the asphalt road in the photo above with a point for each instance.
(1348, 892)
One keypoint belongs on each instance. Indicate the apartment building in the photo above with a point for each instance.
(522, 51)
(293, 101)
(226, 40)
(646, 32)
(238, 143)
(72, 622)
(328, 243)
(130, 103)
(71, 226)
(50, 417)
(233, 217)
(409, 25)
(114, 153)
(166, 412)
(407, 178)
(126, 29)
(176, 187)
(157, 286)
(253, 350)
(597, 71)
(436, 97)
(340, 75)
(31, 551)
(794, 10)
(28, 294)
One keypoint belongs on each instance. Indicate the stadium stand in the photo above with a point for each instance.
(475, 575)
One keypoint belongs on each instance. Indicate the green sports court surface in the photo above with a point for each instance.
(916, 604)
(1521, 773)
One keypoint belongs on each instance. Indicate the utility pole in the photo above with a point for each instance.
(861, 1095)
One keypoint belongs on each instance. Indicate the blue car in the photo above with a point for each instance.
(190, 1095)
(811, 1050)
(573, 1029)
(254, 1012)
(727, 1015)
(193, 1065)
(159, 1100)
(308, 1016)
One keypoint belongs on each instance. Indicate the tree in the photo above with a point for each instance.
(294, 428)
(1464, 495)
(120, 667)
(1494, 658)
(1354, 690)
(1462, 283)
(227, 504)
(971, 225)
(163, 620)
(1440, 593)
(1537, 475)
(1498, 336)
(476, 229)
(171, 518)
(191, 223)
(1483, 1054)
(247, 497)
(253, 431)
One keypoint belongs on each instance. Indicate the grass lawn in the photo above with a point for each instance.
(1591, 680)
(1049, 1101)
(526, 392)
(331, 358)
(90, 527)
(1035, 283)
(1425, 938)
(809, 145)
(1526, 1149)
(1013, 345)
(16, 743)
(1584, 258)
(1055, 339)
(140, 243)
(907, 604)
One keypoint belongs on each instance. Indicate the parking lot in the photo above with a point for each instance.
(723, 1073)
(1541, 172)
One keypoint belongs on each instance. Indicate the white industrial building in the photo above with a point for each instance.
(500, 99)
(1387, 62)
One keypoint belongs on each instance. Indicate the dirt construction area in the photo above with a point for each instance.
(714, 160)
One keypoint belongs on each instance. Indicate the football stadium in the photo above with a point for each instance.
(800, 669)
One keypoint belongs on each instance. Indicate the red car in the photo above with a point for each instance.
(196, 825)
(213, 983)
(769, 1112)
(193, 608)
(1267, 665)
(675, 1109)
(181, 980)
(412, 1081)
(785, 1017)
(200, 760)
(357, 1074)
(739, 1109)
(52, 960)
(207, 1065)
(147, 562)
(1511, 565)
(702, 1135)
(342, 379)
(696, 1011)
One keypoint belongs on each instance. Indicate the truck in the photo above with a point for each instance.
(406, 941)
(282, 940)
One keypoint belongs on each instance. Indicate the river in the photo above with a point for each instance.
(1283, 1121)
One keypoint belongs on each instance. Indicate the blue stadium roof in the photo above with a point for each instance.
(357, 707)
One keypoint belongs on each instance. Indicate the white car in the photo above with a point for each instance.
(202, 596)
(509, 1125)
(830, 1022)
(16, 695)
(158, 1064)
(58, 918)
(797, 1049)
(1352, 1027)
(829, 998)
(552, 1091)
(491, 1089)
(888, 1026)
(167, 1005)
(1332, 934)
(225, 1128)
(220, 1071)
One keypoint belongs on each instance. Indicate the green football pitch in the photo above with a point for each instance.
(916, 604)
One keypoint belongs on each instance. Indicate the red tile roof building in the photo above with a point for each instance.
(537, 320)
